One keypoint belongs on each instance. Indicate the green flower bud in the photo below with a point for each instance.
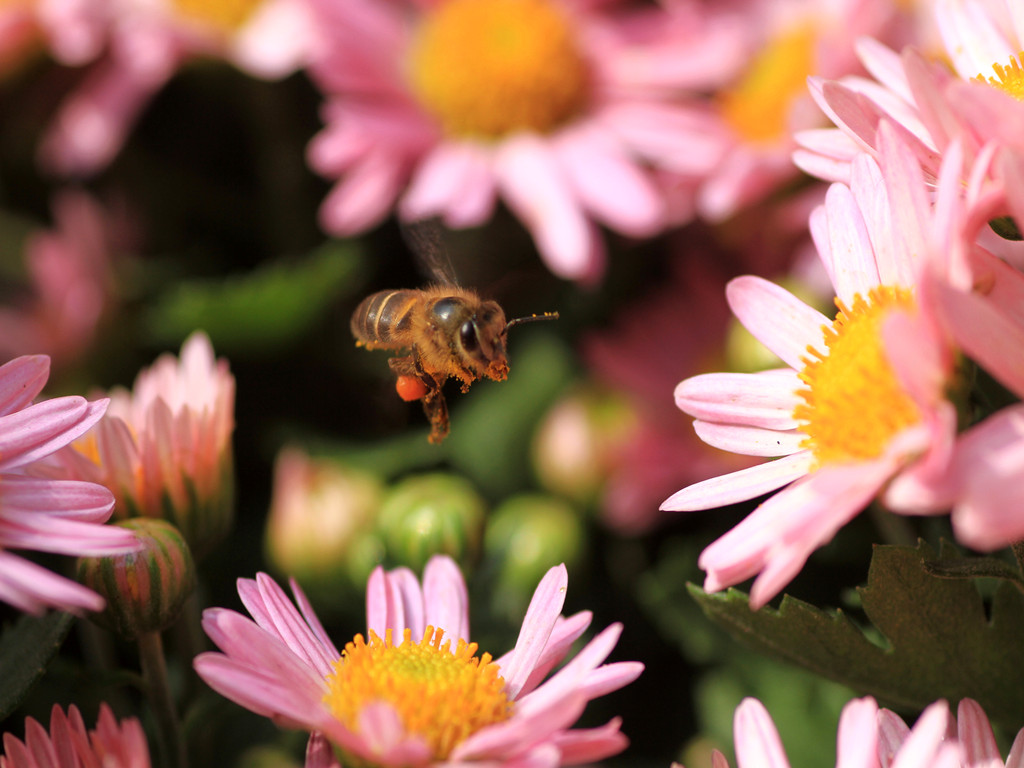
(145, 589)
(431, 514)
(526, 535)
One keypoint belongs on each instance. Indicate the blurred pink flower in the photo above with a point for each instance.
(975, 741)
(47, 515)
(864, 397)
(983, 483)
(561, 107)
(863, 739)
(111, 744)
(457, 709)
(70, 270)
(769, 101)
(977, 104)
(642, 356)
(71, 30)
(146, 41)
(164, 448)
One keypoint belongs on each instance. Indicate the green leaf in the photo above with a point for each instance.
(26, 647)
(260, 311)
(937, 640)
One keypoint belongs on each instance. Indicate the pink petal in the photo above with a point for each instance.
(977, 742)
(857, 739)
(21, 379)
(744, 484)
(756, 739)
(545, 606)
(535, 189)
(365, 195)
(446, 598)
(40, 429)
(750, 441)
(776, 318)
(588, 745)
(32, 588)
(853, 260)
(453, 180)
(609, 183)
(764, 399)
(566, 632)
(892, 732)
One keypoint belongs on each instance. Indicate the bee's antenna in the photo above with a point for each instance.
(531, 319)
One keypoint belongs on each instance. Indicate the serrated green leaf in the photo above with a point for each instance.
(26, 648)
(262, 310)
(939, 639)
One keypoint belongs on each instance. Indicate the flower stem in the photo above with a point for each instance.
(1018, 553)
(158, 691)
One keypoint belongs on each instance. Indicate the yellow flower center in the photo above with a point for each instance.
(854, 405)
(224, 15)
(1009, 79)
(486, 68)
(441, 696)
(758, 106)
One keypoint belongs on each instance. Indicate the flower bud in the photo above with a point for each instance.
(578, 443)
(428, 515)
(320, 525)
(145, 589)
(526, 535)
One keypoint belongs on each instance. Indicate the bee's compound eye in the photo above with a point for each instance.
(444, 309)
(467, 335)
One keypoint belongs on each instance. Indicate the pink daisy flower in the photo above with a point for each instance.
(863, 397)
(64, 517)
(456, 709)
(146, 41)
(560, 107)
(863, 740)
(977, 104)
(768, 101)
(164, 449)
(70, 269)
(975, 741)
(68, 744)
(982, 484)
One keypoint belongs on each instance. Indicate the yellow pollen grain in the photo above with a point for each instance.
(224, 15)
(853, 404)
(442, 696)
(488, 68)
(1009, 79)
(758, 106)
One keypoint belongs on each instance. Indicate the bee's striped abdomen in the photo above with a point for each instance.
(384, 317)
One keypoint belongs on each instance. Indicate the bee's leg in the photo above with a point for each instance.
(436, 409)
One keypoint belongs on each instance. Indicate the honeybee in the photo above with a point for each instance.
(450, 331)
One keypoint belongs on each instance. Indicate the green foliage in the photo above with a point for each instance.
(260, 311)
(26, 648)
(938, 639)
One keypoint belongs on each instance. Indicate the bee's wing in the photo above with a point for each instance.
(424, 238)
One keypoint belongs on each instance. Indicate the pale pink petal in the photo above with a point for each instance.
(32, 588)
(892, 732)
(21, 379)
(535, 189)
(40, 429)
(319, 753)
(609, 183)
(566, 632)
(741, 485)
(857, 739)
(750, 441)
(978, 747)
(276, 40)
(1016, 757)
(453, 180)
(756, 739)
(853, 260)
(776, 318)
(385, 738)
(765, 399)
(363, 198)
(588, 745)
(545, 606)
(445, 598)
(923, 747)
